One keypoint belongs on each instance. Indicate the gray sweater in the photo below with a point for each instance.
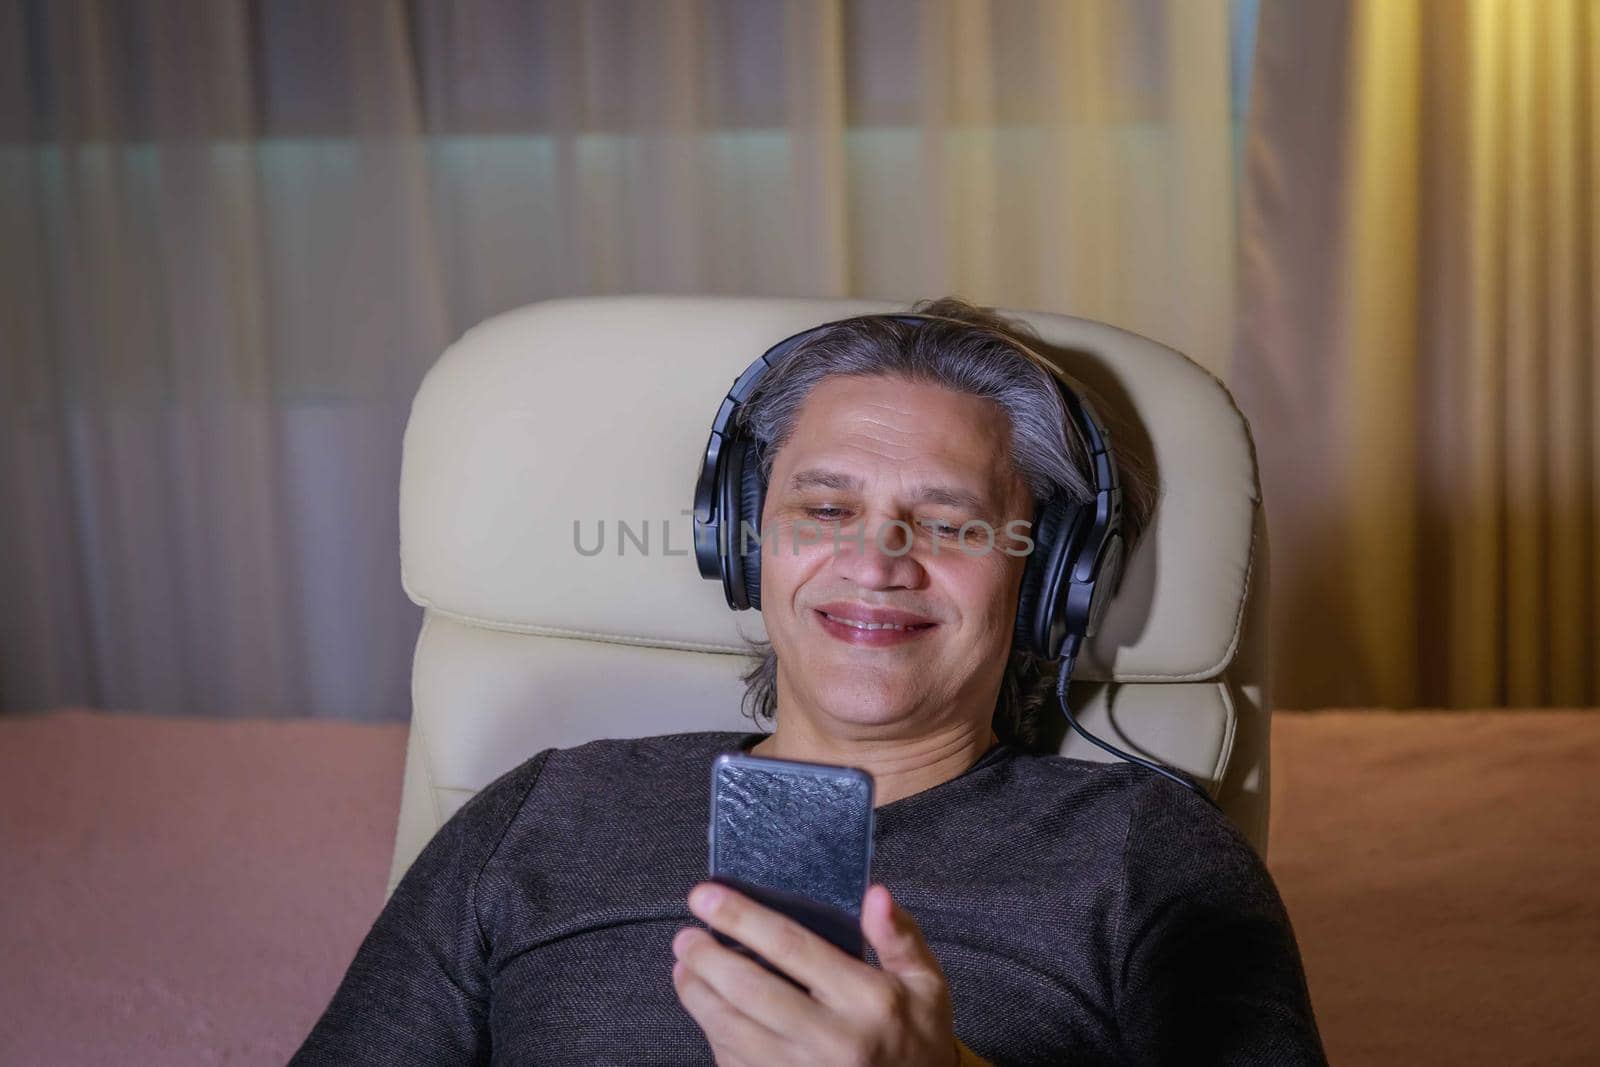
(1084, 913)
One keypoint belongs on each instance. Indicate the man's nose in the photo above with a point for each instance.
(879, 553)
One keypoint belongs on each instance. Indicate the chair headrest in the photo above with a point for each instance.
(541, 424)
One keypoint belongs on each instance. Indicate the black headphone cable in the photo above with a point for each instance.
(1069, 657)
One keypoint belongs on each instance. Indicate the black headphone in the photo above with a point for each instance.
(1070, 574)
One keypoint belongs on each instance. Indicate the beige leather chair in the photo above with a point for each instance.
(597, 410)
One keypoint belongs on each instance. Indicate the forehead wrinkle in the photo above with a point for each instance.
(894, 435)
(883, 431)
(898, 453)
(912, 446)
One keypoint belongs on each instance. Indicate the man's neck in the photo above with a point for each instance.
(900, 767)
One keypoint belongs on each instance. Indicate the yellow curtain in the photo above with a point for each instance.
(1419, 322)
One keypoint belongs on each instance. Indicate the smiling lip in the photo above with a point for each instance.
(859, 624)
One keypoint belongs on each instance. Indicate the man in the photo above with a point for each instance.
(1030, 908)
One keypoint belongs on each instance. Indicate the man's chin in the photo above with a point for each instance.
(870, 705)
(880, 691)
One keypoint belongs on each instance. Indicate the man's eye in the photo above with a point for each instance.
(940, 528)
(826, 513)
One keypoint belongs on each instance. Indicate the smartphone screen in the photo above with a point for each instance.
(796, 837)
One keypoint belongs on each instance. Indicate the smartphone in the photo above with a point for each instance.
(796, 837)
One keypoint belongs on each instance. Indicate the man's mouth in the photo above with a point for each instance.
(859, 624)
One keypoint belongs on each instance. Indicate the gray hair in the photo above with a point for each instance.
(972, 350)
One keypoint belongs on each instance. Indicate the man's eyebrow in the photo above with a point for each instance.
(950, 497)
(822, 479)
(944, 495)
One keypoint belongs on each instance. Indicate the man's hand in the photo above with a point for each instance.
(855, 1014)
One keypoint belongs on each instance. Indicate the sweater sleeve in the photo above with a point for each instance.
(418, 989)
(1210, 972)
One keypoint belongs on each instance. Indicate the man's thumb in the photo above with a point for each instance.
(894, 935)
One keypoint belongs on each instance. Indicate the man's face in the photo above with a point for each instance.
(866, 453)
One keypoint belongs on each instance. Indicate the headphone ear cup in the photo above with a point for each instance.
(752, 496)
(1032, 633)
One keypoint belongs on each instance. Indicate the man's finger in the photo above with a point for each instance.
(731, 1033)
(895, 936)
(750, 987)
(834, 977)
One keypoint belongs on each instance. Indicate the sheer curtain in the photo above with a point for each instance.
(236, 234)
(1420, 261)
